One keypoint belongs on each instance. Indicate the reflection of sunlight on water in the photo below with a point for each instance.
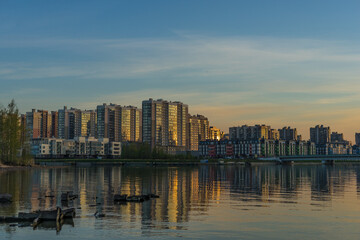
(204, 201)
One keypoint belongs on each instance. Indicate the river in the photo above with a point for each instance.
(196, 202)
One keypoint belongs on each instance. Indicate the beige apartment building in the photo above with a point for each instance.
(198, 130)
(119, 123)
(165, 123)
(215, 133)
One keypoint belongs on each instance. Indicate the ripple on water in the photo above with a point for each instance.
(271, 202)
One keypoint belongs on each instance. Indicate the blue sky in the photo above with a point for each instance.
(282, 63)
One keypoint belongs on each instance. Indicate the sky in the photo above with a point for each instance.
(280, 63)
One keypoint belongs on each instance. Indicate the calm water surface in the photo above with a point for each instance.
(212, 202)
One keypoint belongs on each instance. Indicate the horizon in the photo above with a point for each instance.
(225, 130)
(277, 63)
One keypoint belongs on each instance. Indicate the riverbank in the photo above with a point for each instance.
(4, 167)
(172, 162)
(10, 167)
(153, 162)
(121, 161)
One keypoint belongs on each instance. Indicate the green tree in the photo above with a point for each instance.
(14, 145)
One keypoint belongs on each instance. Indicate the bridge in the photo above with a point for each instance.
(326, 159)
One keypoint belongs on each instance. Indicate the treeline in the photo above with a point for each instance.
(14, 143)
(144, 151)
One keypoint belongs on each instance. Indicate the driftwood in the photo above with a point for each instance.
(8, 219)
(153, 195)
(5, 198)
(28, 216)
(36, 221)
(99, 215)
(55, 225)
(133, 198)
(68, 196)
(39, 216)
(120, 198)
(47, 219)
(49, 214)
(68, 213)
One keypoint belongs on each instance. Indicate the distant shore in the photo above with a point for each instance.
(4, 167)
(11, 167)
(169, 162)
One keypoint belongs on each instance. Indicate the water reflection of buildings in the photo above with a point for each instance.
(269, 183)
(184, 191)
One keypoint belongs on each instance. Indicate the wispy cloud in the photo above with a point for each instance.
(232, 80)
(185, 56)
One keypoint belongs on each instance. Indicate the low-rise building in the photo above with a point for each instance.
(254, 148)
(82, 147)
(338, 148)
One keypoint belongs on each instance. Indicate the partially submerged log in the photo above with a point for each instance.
(9, 219)
(68, 213)
(120, 198)
(28, 216)
(68, 196)
(133, 198)
(99, 215)
(153, 195)
(36, 221)
(146, 197)
(5, 198)
(38, 216)
(49, 214)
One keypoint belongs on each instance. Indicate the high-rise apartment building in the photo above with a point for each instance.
(320, 134)
(54, 124)
(62, 121)
(165, 123)
(337, 137)
(88, 123)
(198, 130)
(357, 139)
(33, 124)
(256, 132)
(39, 123)
(130, 124)
(76, 114)
(274, 134)
(215, 133)
(45, 127)
(288, 134)
(106, 121)
(119, 123)
(69, 123)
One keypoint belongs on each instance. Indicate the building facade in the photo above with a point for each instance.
(34, 124)
(198, 130)
(119, 123)
(82, 147)
(165, 123)
(88, 123)
(69, 123)
(288, 134)
(255, 132)
(54, 124)
(320, 135)
(215, 133)
(254, 148)
(357, 139)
